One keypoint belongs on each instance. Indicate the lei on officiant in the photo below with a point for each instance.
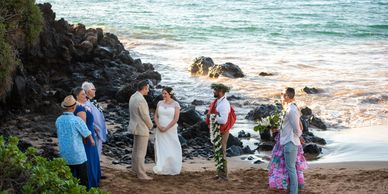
(220, 119)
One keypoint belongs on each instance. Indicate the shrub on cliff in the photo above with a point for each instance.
(24, 15)
(28, 173)
(20, 20)
(8, 63)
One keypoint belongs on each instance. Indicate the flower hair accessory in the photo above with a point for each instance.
(172, 92)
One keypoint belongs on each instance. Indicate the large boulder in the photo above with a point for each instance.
(248, 150)
(310, 119)
(266, 135)
(312, 149)
(227, 69)
(151, 75)
(234, 151)
(262, 111)
(196, 102)
(125, 92)
(265, 74)
(312, 90)
(311, 138)
(104, 52)
(189, 116)
(126, 58)
(318, 123)
(197, 130)
(266, 146)
(233, 141)
(201, 65)
(19, 90)
(243, 134)
(306, 111)
(85, 47)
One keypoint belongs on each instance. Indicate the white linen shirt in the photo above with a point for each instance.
(223, 109)
(290, 129)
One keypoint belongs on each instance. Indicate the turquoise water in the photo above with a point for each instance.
(340, 46)
(257, 22)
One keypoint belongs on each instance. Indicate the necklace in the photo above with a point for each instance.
(169, 102)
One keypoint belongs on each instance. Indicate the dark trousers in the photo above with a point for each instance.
(80, 171)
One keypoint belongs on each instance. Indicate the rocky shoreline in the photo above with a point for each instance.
(66, 55)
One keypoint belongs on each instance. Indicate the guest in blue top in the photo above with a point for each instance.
(70, 131)
(97, 111)
(94, 171)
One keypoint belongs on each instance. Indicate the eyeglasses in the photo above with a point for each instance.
(94, 89)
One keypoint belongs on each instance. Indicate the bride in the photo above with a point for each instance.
(168, 151)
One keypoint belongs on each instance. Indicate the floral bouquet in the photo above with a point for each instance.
(265, 124)
(269, 122)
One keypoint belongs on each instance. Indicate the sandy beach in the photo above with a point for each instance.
(334, 53)
(245, 177)
(197, 177)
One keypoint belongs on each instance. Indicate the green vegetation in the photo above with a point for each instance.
(16, 16)
(29, 173)
(22, 14)
(269, 122)
(8, 63)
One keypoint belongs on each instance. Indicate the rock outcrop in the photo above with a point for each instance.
(204, 66)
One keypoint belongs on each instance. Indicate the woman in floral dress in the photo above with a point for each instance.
(278, 175)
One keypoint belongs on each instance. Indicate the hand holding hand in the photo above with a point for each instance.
(162, 129)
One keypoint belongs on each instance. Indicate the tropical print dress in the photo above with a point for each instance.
(278, 175)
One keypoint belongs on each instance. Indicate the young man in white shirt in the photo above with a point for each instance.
(290, 135)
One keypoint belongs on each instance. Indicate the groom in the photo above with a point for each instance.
(139, 125)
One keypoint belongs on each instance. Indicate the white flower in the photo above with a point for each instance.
(265, 122)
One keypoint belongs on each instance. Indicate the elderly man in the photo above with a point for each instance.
(70, 130)
(97, 111)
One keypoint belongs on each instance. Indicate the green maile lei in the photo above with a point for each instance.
(216, 139)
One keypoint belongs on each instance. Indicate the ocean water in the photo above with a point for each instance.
(339, 46)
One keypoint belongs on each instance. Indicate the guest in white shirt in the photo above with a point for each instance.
(290, 134)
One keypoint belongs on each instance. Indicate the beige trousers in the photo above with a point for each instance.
(224, 143)
(139, 152)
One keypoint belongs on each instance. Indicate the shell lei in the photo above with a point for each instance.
(215, 137)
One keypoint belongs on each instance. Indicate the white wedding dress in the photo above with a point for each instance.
(168, 151)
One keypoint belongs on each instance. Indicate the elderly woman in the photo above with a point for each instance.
(83, 111)
(97, 111)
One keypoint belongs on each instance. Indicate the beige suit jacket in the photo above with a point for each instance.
(139, 117)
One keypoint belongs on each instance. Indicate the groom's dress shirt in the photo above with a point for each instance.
(290, 129)
(223, 109)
